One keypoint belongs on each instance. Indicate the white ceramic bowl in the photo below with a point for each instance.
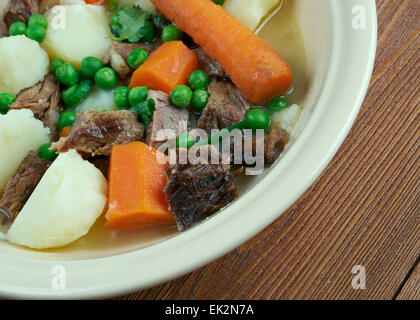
(340, 62)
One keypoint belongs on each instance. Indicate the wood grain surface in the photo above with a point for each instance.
(363, 210)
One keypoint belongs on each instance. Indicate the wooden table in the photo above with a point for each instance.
(363, 210)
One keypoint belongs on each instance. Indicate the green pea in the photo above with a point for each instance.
(199, 99)
(181, 96)
(106, 78)
(137, 57)
(171, 33)
(198, 80)
(67, 74)
(36, 32)
(89, 67)
(55, 64)
(256, 119)
(6, 99)
(17, 28)
(219, 2)
(137, 95)
(278, 104)
(45, 152)
(66, 119)
(184, 141)
(149, 32)
(38, 19)
(121, 97)
(75, 94)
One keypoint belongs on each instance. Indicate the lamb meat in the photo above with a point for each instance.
(165, 117)
(209, 65)
(20, 187)
(274, 143)
(20, 10)
(44, 101)
(117, 56)
(197, 190)
(95, 133)
(226, 106)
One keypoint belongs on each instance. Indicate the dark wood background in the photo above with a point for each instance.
(363, 210)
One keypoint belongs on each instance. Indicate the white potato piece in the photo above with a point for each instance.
(251, 12)
(144, 4)
(22, 63)
(76, 32)
(97, 100)
(20, 133)
(63, 207)
(288, 117)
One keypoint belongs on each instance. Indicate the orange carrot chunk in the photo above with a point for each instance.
(168, 67)
(254, 66)
(136, 182)
(65, 132)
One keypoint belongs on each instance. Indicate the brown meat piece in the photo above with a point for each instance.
(194, 191)
(165, 117)
(209, 65)
(101, 163)
(20, 10)
(96, 132)
(274, 143)
(117, 56)
(20, 187)
(44, 101)
(226, 106)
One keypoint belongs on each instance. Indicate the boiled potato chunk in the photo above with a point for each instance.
(76, 32)
(287, 118)
(22, 63)
(97, 100)
(144, 4)
(20, 133)
(63, 207)
(250, 13)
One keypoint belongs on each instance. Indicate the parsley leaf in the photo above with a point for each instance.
(130, 23)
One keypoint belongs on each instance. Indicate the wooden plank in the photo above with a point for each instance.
(363, 210)
(411, 288)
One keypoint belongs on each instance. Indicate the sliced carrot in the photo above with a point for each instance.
(136, 182)
(94, 1)
(254, 66)
(65, 132)
(168, 67)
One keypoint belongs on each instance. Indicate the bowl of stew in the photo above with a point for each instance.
(91, 202)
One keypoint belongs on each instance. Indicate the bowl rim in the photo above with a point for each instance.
(166, 260)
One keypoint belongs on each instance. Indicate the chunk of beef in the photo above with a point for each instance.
(96, 132)
(209, 65)
(44, 101)
(117, 56)
(226, 106)
(20, 10)
(101, 163)
(165, 117)
(197, 190)
(45, 5)
(273, 144)
(20, 187)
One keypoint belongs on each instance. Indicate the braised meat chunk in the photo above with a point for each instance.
(96, 132)
(165, 117)
(209, 65)
(44, 101)
(117, 56)
(20, 187)
(198, 190)
(226, 106)
(20, 10)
